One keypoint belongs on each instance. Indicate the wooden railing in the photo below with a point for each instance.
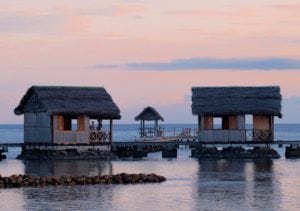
(259, 135)
(151, 132)
(75, 137)
(240, 135)
(99, 136)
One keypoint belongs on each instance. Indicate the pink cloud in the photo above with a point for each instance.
(128, 9)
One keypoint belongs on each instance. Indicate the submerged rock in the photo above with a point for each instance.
(35, 181)
(69, 154)
(292, 151)
(235, 152)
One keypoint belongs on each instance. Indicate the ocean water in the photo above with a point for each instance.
(191, 184)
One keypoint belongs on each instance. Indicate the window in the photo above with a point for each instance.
(73, 124)
(249, 121)
(217, 123)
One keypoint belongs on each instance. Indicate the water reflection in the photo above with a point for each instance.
(266, 188)
(98, 196)
(191, 185)
(250, 184)
(74, 168)
(95, 197)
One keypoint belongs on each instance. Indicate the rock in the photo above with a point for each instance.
(123, 178)
(235, 152)
(69, 154)
(292, 151)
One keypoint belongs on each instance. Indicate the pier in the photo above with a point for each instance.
(140, 148)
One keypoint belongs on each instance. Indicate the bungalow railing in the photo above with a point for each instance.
(73, 137)
(259, 135)
(241, 135)
(99, 136)
(175, 133)
(151, 132)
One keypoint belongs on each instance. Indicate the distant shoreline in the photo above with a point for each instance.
(136, 124)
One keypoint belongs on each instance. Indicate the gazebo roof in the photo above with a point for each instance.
(149, 114)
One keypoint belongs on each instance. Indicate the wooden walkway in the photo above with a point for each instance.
(171, 141)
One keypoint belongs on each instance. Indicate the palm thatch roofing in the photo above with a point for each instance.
(220, 101)
(149, 114)
(91, 101)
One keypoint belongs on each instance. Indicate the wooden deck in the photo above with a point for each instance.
(169, 141)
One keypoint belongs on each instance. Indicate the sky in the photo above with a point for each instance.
(150, 52)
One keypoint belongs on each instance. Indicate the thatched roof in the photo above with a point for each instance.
(219, 101)
(92, 101)
(149, 114)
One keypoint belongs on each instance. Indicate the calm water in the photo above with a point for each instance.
(191, 184)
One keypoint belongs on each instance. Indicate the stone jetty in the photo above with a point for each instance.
(14, 181)
(235, 152)
(292, 151)
(68, 154)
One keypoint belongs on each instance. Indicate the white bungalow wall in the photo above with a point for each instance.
(235, 132)
(241, 119)
(37, 128)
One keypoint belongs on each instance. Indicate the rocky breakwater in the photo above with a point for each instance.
(235, 152)
(68, 154)
(14, 181)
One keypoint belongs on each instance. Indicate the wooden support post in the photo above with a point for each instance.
(143, 129)
(272, 127)
(110, 131)
(199, 126)
(156, 128)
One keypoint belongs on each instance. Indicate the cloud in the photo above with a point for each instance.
(209, 13)
(56, 20)
(211, 63)
(295, 7)
(116, 10)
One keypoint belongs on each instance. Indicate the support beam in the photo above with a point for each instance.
(155, 128)
(143, 130)
(110, 130)
(199, 126)
(169, 151)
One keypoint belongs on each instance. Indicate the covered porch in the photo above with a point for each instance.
(81, 130)
(234, 129)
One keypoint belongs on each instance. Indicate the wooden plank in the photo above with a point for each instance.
(208, 122)
(262, 122)
(30, 119)
(67, 123)
(60, 122)
(81, 123)
(233, 122)
(241, 121)
(110, 130)
(225, 122)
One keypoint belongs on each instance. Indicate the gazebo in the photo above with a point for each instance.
(149, 114)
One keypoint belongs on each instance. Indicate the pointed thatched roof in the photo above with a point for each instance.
(92, 101)
(220, 101)
(149, 114)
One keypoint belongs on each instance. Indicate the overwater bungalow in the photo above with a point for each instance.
(149, 114)
(231, 106)
(66, 115)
